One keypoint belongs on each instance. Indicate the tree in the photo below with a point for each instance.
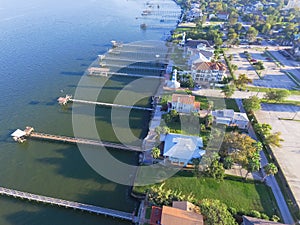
(215, 212)
(162, 130)
(263, 129)
(155, 152)
(274, 139)
(252, 34)
(277, 95)
(196, 162)
(216, 170)
(208, 120)
(228, 90)
(242, 81)
(253, 164)
(266, 28)
(270, 169)
(187, 82)
(228, 162)
(252, 104)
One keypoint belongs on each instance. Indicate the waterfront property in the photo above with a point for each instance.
(208, 72)
(184, 103)
(180, 213)
(230, 118)
(181, 149)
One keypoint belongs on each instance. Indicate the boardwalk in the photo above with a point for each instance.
(69, 204)
(123, 74)
(74, 140)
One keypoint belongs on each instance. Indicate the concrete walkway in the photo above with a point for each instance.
(270, 180)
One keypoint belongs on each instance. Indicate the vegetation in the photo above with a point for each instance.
(252, 104)
(264, 131)
(155, 152)
(243, 196)
(270, 169)
(277, 95)
(228, 90)
(242, 81)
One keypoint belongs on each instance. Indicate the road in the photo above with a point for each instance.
(270, 180)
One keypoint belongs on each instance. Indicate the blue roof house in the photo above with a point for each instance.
(181, 149)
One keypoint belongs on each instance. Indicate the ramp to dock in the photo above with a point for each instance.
(69, 204)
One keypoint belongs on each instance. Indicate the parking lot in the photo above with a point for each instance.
(288, 156)
(272, 76)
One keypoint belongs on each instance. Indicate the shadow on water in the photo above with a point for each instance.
(52, 102)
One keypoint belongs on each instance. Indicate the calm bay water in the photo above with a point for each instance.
(45, 47)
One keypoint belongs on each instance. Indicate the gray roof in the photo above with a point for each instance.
(247, 220)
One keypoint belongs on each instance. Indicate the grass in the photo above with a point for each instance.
(264, 89)
(284, 102)
(231, 104)
(243, 196)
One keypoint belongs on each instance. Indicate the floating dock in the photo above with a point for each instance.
(69, 204)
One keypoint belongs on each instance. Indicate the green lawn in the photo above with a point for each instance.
(263, 89)
(243, 196)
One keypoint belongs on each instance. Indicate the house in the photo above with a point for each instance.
(223, 15)
(181, 149)
(181, 213)
(247, 220)
(184, 103)
(208, 72)
(230, 118)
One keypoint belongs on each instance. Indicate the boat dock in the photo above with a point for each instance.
(68, 98)
(21, 136)
(69, 204)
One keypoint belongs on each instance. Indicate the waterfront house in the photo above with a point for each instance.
(184, 103)
(230, 118)
(181, 213)
(181, 149)
(208, 72)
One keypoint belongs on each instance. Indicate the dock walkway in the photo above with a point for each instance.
(69, 204)
(74, 140)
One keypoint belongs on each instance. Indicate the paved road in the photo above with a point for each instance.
(270, 180)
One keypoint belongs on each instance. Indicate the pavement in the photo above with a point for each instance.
(272, 76)
(270, 180)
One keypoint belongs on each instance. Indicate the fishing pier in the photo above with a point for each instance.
(22, 135)
(69, 204)
(68, 98)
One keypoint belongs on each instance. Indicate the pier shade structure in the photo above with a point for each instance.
(69, 204)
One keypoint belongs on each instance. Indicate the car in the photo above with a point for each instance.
(253, 60)
(268, 58)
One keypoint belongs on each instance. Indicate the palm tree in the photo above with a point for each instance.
(228, 90)
(242, 81)
(270, 169)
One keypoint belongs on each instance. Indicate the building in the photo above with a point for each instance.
(223, 15)
(181, 149)
(230, 118)
(173, 83)
(208, 72)
(247, 220)
(184, 103)
(181, 213)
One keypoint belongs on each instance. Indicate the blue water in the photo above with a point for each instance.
(45, 47)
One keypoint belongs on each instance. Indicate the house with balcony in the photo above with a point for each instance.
(184, 103)
(230, 118)
(211, 72)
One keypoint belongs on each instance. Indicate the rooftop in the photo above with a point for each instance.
(185, 99)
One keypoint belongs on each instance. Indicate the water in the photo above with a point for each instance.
(45, 47)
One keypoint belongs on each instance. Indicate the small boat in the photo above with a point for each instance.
(143, 26)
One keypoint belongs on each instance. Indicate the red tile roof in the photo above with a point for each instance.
(209, 66)
(185, 99)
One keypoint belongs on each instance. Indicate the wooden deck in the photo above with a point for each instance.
(69, 204)
(73, 140)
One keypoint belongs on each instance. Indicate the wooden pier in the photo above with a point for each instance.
(74, 140)
(69, 204)
(110, 73)
(68, 98)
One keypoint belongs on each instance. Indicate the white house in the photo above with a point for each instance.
(208, 72)
(184, 103)
(181, 149)
(230, 118)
